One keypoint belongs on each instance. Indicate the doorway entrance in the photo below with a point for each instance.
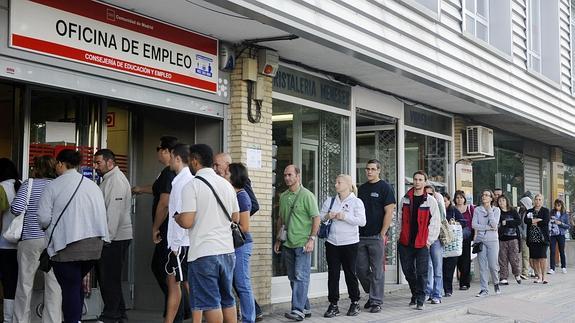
(376, 139)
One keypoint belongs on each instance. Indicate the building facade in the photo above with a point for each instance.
(326, 85)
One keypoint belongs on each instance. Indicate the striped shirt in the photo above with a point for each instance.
(31, 229)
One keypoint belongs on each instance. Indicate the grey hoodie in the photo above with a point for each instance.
(526, 204)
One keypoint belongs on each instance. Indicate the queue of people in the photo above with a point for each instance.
(200, 203)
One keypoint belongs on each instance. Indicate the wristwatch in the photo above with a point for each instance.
(312, 238)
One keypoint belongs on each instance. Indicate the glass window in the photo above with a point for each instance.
(477, 18)
(429, 154)
(318, 142)
(543, 53)
(432, 5)
(504, 171)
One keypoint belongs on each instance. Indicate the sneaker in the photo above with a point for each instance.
(524, 277)
(497, 290)
(307, 314)
(436, 301)
(420, 307)
(353, 309)
(293, 316)
(429, 299)
(332, 311)
(463, 287)
(551, 271)
(564, 270)
(504, 282)
(482, 293)
(412, 302)
(259, 317)
(375, 309)
(367, 305)
(518, 279)
(448, 294)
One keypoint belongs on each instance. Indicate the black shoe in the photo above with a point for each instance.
(412, 302)
(419, 307)
(307, 315)
(447, 294)
(429, 299)
(463, 287)
(375, 309)
(332, 311)
(367, 305)
(353, 309)
(293, 316)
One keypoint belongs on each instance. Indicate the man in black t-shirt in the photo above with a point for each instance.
(161, 192)
(379, 201)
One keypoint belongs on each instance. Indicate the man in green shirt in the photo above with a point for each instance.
(299, 216)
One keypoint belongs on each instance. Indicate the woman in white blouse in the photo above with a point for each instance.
(347, 214)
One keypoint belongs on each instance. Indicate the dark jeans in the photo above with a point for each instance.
(338, 257)
(448, 270)
(159, 260)
(464, 264)
(415, 264)
(9, 272)
(70, 276)
(109, 274)
(560, 240)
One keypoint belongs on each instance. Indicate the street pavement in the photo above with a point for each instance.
(527, 302)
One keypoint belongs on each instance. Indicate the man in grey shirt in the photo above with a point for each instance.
(118, 200)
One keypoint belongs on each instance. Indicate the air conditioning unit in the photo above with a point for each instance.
(479, 141)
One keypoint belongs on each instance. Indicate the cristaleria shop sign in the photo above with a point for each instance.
(98, 34)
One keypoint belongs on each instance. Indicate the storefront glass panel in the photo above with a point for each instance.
(430, 154)
(505, 171)
(317, 142)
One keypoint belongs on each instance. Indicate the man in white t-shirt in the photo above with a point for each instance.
(178, 240)
(211, 256)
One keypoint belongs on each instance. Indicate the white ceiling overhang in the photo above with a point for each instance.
(229, 26)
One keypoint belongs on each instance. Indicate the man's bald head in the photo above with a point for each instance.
(222, 162)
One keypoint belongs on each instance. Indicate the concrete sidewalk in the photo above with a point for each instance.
(527, 302)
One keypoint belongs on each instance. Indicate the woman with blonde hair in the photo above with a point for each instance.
(537, 220)
(346, 213)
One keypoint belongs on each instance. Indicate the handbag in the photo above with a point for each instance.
(45, 264)
(237, 235)
(445, 233)
(326, 225)
(477, 247)
(535, 235)
(14, 232)
(455, 247)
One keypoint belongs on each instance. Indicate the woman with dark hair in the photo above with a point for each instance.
(558, 225)
(537, 220)
(73, 213)
(9, 185)
(32, 243)
(449, 263)
(485, 222)
(464, 261)
(242, 282)
(509, 241)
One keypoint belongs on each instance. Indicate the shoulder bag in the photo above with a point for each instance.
(237, 234)
(44, 259)
(14, 232)
(455, 247)
(284, 229)
(325, 226)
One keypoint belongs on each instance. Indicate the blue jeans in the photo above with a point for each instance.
(210, 279)
(435, 273)
(559, 240)
(298, 265)
(243, 284)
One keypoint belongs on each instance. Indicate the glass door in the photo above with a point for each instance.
(309, 180)
(376, 139)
